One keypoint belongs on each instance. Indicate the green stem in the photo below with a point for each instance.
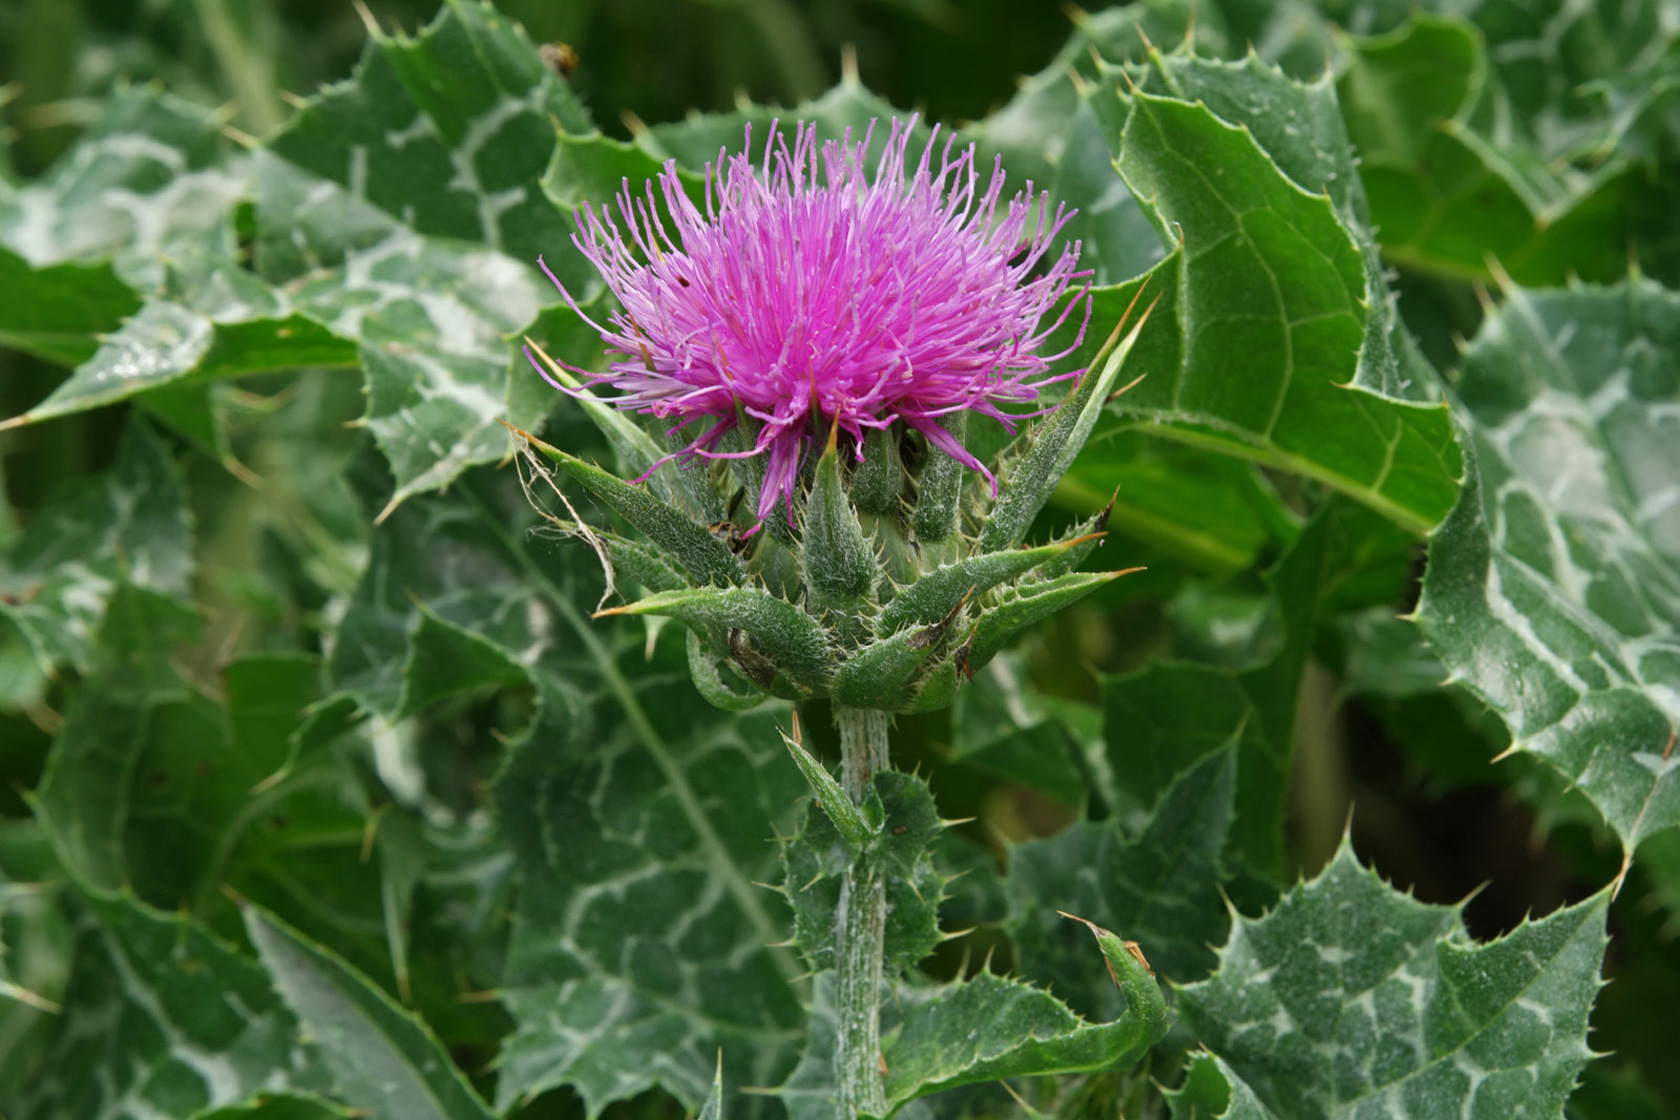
(860, 926)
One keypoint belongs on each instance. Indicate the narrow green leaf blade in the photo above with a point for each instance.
(382, 1057)
(990, 1028)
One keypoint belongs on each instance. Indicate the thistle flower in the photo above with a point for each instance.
(809, 296)
(808, 305)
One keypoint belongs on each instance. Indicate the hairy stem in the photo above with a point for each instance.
(860, 924)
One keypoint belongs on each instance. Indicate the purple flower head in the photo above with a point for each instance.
(810, 295)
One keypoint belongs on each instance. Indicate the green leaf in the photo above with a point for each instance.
(381, 1057)
(130, 525)
(1351, 999)
(1452, 190)
(1021, 607)
(191, 1024)
(154, 186)
(1169, 714)
(1161, 888)
(902, 826)
(445, 659)
(882, 676)
(985, 1029)
(1551, 590)
(55, 312)
(640, 945)
(1049, 134)
(1276, 357)
(1298, 126)
(989, 1028)
(134, 700)
(846, 817)
(1211, 1091)
(933, 595)
(402, 210)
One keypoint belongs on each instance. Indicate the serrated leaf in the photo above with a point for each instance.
(905, 824)
(192, 1024)
(1161, 888)
(1048, 134)
(637, 916)
(1551, 590)
(1454, 186)
(942, 1037)
(1298, 125)
(381, 1057)
(401, 209)
(990, 1028)
(1276, 358)
(1351, 999)
(154, 186)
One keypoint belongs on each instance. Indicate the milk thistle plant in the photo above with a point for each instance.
(751, 734)
(815, 341)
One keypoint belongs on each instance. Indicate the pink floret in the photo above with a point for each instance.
(809, 294)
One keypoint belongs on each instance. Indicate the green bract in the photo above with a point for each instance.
(890, 618)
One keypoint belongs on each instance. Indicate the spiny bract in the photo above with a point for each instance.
(793, 314)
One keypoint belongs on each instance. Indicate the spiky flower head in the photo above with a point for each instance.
(812, 309)
(810, 295)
